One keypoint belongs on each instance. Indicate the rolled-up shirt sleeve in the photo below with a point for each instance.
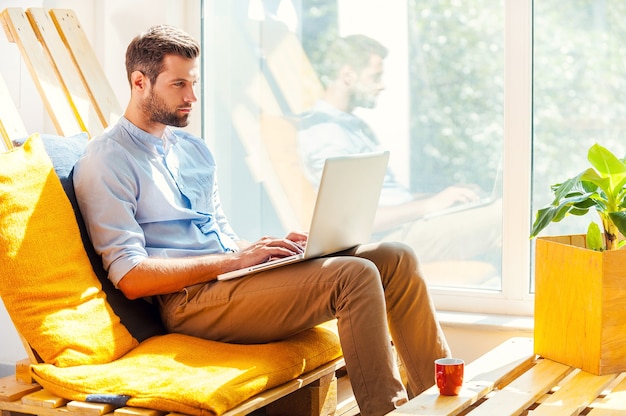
(107, 197)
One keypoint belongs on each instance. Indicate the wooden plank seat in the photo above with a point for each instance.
(310, 389)
(511, 380)
(312, 393)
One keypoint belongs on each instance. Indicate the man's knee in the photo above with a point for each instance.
(402, 254)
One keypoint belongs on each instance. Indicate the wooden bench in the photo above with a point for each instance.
(312, 393)
(512, 380)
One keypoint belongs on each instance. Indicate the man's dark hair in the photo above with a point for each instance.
(146, 51)
(353, 50)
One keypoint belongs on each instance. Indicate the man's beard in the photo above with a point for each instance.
(158, 112)
(363, 99)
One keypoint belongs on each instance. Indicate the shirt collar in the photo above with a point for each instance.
(161, 145)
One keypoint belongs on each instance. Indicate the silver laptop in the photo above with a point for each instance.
(346, 204)
(496, 193)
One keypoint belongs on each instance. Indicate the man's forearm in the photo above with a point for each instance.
(156, 276)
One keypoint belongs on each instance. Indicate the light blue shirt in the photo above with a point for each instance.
(142, 196)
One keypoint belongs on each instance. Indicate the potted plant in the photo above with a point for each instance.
(603, 189)
(580, 280)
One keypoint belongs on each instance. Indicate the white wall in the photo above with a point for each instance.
(109, 25)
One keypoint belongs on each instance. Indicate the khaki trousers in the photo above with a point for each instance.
(373, 290)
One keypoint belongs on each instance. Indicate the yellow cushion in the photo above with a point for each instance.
(47, 282)
(179, 373)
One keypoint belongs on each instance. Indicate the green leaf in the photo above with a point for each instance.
(594, 237)
(562, 190)
(589, 186)
(587, 203)
(555, 213)
(608, 165)
(590, 178)
(579, 212)
(543, 218)
(605, 162)
(619, 219)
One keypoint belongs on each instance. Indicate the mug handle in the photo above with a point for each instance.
(439, 379)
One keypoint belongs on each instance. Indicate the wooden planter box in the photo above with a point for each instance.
(580, 305)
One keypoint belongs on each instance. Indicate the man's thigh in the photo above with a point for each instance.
(260, 307)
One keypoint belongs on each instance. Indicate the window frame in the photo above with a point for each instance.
(516, 297)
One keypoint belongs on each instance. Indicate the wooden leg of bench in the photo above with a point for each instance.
(317, 399)
(22, 372)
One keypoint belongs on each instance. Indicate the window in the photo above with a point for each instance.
(579, 58)
(455, 111)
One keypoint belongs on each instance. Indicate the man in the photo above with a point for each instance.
(150, 200)
(352, 76)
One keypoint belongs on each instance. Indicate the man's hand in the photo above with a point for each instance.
(268, 248)
(299, 238)
(453, 195)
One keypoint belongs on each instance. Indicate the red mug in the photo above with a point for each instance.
(449, 375)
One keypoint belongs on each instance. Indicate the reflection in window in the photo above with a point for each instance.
(289, 106)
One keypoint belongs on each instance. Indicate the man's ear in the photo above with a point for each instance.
(138, 80)
(347, 75)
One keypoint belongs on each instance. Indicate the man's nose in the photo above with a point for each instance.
(191, 96)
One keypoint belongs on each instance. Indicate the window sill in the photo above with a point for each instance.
(486, 321)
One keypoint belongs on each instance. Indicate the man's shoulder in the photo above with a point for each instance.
(110, 140)
(314, 118)
(187, 136)
(189, 139)
(192, 145)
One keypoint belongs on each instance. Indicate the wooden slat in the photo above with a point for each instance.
(256, 117)
(11, 125)
(291, 69)
(92, 409)
(22, 371)
(271, 395)
(33, 357)
(43, 398)
(11, 389)
(492, 369)
(514, 398)
(98, 87)
(18, 28)
(614, 404)
(66, 70)
(575, 395)
(137, 411)
(279, 135)
(512, 357)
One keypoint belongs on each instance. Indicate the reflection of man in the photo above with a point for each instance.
(150, 200)
(353, 78)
